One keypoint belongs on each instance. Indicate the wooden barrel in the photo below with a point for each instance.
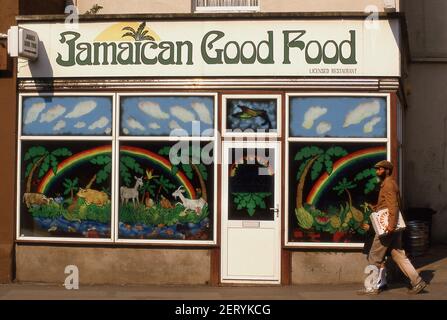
(417, 237)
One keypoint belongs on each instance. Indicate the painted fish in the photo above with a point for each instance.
(249, 113)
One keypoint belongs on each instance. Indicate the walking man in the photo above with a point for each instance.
(389, 198)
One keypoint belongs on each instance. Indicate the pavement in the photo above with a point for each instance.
(432, 266)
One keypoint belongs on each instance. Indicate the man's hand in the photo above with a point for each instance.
(365, 226)
(389, 229)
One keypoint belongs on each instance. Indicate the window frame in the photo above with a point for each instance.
(213, 139)
(115, 138)
(288, 139)
(20, 138)
(271, 135)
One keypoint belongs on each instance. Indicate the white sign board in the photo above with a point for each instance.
(23, 43)
(324, 48)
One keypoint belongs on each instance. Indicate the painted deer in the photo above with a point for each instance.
(131, 193)
(191, 204)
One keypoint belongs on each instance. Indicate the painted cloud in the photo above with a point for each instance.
(311, 115)
(154, 126)
(80, 125)
(369, 126)
(59, 125)
(133, 124)
(153, 109)
(174, 125)
(362, 112)
(323, 127)
(182, 114)
(203, 112)
(33, 112)
(52, 113)
(101, 123)
(81, 109)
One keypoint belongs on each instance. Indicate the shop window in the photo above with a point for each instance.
(66, 116)
(166, 170)
(79, 181)
(66, 189)
(65, 170)
(173, 202)
(344, 117)
(251, 115)
(163, 115)
(331, 176)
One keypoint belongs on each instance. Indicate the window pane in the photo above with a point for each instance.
(252, 115)
(328, 187)
(159, 200)
(251, 184)
(57, 115)
(348, 117)
(66, 189)
(159, 115)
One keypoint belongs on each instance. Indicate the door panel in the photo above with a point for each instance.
(250, 212)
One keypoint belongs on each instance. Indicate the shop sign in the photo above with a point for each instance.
(230, 48)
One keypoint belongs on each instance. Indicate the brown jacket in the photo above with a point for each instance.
(389, 197)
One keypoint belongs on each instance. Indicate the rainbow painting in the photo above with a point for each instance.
(325, 180)
(70, 162)
(50, 178)
(162, 162)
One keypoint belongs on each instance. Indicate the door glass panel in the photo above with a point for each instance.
(251, 184)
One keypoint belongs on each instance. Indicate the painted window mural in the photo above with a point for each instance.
(161, 200)
(79, 180)
(67, 115)
(329, 184)
(331, 180)
(160, 115)
(251, 115)
(341, 117)
(66, 189)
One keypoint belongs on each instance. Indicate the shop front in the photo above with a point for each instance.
(201, 150)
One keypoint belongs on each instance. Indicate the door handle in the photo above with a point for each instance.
(276, 210)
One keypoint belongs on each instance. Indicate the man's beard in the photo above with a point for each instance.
(381, 176)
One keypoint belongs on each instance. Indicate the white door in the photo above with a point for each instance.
(251, 216)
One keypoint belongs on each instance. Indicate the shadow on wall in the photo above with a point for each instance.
(42, 63)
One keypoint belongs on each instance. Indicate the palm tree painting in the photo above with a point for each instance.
(138, 35)
(313, 158)
(40, 158)
(56, 195)
(332, 185)
(71, 186)
(168, 206)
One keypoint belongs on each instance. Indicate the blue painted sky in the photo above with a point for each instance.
(158, 116)
(338, 117)
(67, 116)
(255, 123)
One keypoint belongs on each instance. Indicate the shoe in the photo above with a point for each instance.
(418, 288)
(364, 292)
(383, 288)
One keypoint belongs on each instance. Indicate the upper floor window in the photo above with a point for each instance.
(226, 5)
